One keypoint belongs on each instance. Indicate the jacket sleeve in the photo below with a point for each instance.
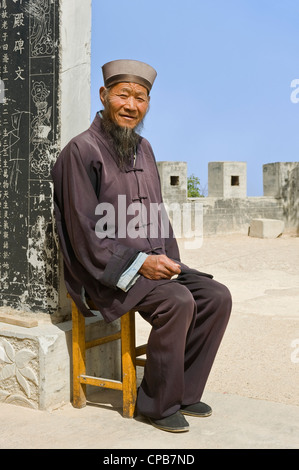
(75, 201)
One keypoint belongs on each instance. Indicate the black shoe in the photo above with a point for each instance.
(199, 409)
(172, 423)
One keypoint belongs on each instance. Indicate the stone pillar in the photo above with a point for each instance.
(45, 101)
(276, 178)
(281, 180)
(227, 179)
(29, 145)
(45, 71)
(173, 176)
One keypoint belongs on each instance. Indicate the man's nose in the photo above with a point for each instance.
(131, 103)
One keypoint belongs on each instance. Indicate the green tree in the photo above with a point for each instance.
(193, 186)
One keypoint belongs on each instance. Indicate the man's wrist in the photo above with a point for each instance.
(130, 276)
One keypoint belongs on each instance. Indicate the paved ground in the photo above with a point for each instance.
(254, 384)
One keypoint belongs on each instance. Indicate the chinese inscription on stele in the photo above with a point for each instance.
(28, 148)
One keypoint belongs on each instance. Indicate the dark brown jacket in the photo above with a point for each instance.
(86, 174)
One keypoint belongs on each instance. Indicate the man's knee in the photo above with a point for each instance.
(182, 299)
(222, 298)
(178, 306)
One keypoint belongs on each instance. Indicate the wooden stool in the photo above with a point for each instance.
(129, 356)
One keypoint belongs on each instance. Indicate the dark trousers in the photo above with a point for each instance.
(188, 318)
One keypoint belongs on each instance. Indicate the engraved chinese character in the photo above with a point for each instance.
(19, 74)
(19, 46)
(18, 20)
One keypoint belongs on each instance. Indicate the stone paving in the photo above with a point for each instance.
(253, 387)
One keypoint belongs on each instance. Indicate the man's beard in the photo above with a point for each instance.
(124, 139)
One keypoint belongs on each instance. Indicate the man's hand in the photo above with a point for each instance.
(159, 267)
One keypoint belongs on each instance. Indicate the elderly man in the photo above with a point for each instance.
(121, 261)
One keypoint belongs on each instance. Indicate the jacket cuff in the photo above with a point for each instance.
(130, 276)
(118, 263)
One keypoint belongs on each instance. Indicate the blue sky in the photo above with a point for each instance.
(225, 69)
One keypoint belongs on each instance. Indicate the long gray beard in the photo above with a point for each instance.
(124, 139)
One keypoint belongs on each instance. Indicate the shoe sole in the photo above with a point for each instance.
(164, 428)
(197, 415)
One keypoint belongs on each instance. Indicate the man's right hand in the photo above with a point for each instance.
(159, 267)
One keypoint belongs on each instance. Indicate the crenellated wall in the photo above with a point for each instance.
(227, 209)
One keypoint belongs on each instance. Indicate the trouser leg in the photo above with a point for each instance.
(213, 301)
(171, 311)
(188, 321)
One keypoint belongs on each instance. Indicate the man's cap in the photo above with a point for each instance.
(118, 71)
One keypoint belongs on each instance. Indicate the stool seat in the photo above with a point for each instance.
(130, 358)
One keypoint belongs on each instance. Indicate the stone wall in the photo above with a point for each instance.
(229, 215)
(227, 209)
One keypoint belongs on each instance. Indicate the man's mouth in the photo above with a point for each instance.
(126, 116)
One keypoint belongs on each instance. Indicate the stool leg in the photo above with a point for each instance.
(128, 363)
(79, 366)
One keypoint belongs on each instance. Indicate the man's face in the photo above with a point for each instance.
(128, 103)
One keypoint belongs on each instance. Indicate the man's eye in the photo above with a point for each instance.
(123, 96)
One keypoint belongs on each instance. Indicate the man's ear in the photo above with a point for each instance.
(103, 93)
